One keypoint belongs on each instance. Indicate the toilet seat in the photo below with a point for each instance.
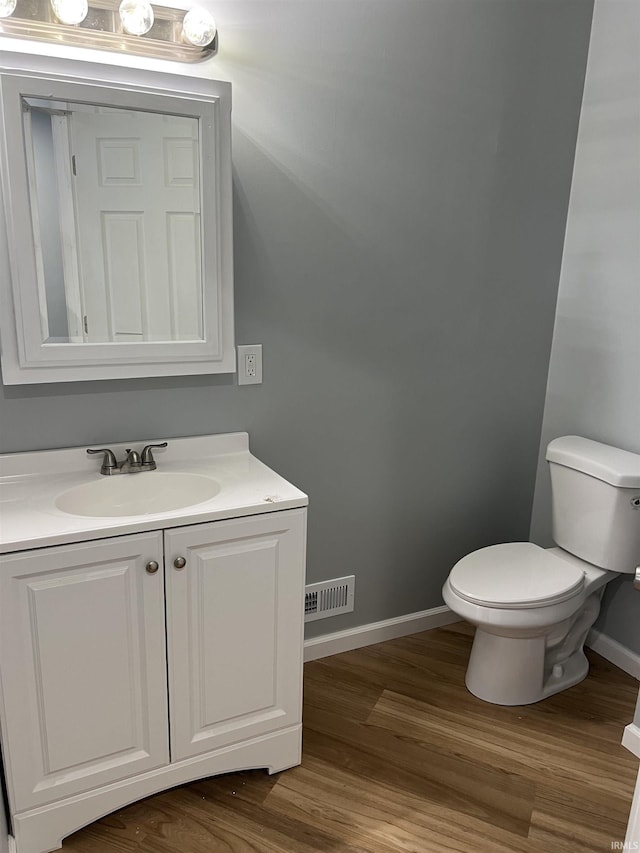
(515, 575)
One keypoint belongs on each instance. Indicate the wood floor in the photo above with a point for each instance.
(400, 758)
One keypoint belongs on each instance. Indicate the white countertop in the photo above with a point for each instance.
(31, 482)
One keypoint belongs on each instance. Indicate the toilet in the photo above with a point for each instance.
(533, 607)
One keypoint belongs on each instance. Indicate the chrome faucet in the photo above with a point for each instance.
(135, 462)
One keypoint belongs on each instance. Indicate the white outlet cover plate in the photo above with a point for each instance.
(243, 377)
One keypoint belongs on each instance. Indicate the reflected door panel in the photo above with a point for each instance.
(136, 194)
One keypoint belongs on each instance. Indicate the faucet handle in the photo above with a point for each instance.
(147, 455)
(109, 462)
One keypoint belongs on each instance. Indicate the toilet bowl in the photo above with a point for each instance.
(533, 607)
(529, 606)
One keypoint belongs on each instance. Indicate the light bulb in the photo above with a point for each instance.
(136, 16)
(7, 7)
(198, 27)
(70, 11)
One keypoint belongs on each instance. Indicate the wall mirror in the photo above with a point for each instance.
(117, 199)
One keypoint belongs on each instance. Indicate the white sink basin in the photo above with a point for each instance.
(137, 494)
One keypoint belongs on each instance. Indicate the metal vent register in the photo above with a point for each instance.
(328, 598)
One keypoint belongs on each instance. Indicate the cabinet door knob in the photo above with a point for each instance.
(179, 562)
(152, 567)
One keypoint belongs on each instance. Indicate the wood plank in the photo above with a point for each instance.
(378, 817)
(515, 748)
(399, 762)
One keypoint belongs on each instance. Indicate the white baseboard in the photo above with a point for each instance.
(614, 652)
(377, 632)
(425, 620)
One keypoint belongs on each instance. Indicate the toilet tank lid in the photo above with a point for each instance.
(618, 467)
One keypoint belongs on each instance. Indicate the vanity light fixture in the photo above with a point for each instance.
(123, 26)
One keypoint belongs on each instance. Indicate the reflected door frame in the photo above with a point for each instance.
(68, 237)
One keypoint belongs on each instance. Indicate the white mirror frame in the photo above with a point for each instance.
(25, 357)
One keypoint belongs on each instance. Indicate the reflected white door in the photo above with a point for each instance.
(137, 199)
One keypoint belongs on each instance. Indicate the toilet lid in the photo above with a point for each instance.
(516, 574)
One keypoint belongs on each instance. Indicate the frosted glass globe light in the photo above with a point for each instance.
(7, 7)
(70, 11)
(198, 27)
(136, 16)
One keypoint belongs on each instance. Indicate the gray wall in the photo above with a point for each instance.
(594, 384)
(402, 174)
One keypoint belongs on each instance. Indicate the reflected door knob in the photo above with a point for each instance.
(152, 567)
(636, 580)
(179, 562)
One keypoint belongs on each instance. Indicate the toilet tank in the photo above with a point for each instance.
(596, 502)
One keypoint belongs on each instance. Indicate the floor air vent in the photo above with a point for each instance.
(328, 598)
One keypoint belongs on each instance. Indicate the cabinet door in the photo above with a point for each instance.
(234, 629)
(82, 665)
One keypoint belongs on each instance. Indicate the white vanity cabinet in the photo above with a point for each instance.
(134, 663)
(82, 662)
(234, 630)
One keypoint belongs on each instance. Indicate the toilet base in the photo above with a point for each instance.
(511, 671)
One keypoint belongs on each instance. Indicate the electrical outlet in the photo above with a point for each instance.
(250, 364)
